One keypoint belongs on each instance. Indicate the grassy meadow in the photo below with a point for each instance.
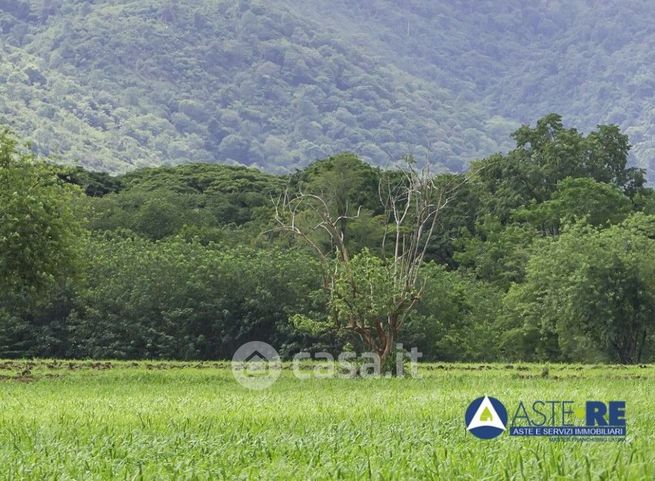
(63, 420)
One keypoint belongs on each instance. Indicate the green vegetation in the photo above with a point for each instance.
(171, 421)
(516, 62)
(543, 253)
(591, 286)
(181, 177)
(141, 83)
(113, 85)
(37, 223)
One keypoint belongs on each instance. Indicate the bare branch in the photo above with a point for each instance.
(412, 206)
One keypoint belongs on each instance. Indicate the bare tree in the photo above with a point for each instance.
(372, 296)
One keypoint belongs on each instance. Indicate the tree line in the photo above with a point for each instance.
(545, 252)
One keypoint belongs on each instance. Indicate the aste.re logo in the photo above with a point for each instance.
(486, 417)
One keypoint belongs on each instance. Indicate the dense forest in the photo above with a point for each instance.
(546, 252)
(112, 85)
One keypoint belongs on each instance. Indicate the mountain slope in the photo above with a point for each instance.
(114, 84)
(148, 82)
(590, 61)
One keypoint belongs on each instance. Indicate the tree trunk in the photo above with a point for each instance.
(387, 361)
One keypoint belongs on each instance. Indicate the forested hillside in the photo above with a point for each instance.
(137, 83)
(114, 85)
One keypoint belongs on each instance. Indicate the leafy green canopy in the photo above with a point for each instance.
(549, 153)
(589, 291)
(546, 250)
(39, 231)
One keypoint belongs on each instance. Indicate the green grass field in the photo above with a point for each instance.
(187, 421)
